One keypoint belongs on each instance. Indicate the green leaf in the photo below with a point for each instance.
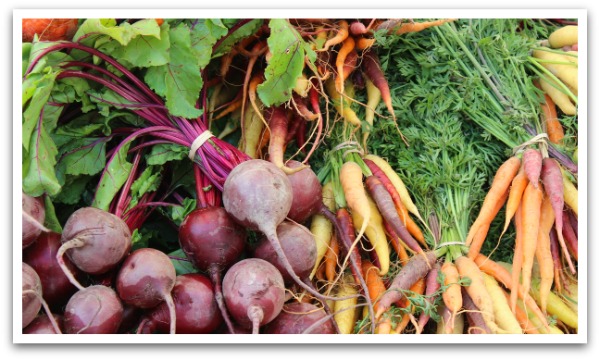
(38, 165)
(179, 213)
(182, 266)
(242, 32)
(163, 153)
(36, 89)
(180, 80)
(204, 35)
(72, 189)
(84, 156)
(286, 63)
(113, 178)
(51, 221)
(148, 181)
(122, 33)
(146, 50)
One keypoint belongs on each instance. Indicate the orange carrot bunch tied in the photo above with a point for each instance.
(49, 29)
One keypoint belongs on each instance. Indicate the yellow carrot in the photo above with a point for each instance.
(561, 99)
(559, 66)
(321, 228)
(563, 36)
(375, 233)
(345, 311)
(502, 313)
(543, 253)
(570, 194)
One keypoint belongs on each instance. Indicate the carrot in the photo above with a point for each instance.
(524, 322)
(278, 126)
(397, 244)
(385, 204)
(373, 71)
(339, 37)
(482, 232)
(559, 65)
(561, 99)
(374, 283)
(570, 236)
(477, 324)
(500, 184)
(233, 105)
(553, 184)
(347, 241)
(373, 99)
(515, 194)
(342, 107)
(408, 222)
(478, 292)
(48, 29)
(532, 165)
(451, 296)
(502, 273)
(431, 287)
(517, 257)
(570, 194)
(375, 234)
(363, 43)
(554, 128)
(557, 307)
(543, 253)
(416, 268)
(566, 35)
(345, 310)
(419, 26)
(532, 201)
(504, 316)
(443, 326)
(321, 228)
(331, 259)
(397, 182)
(417, 288)
(252, 129)
(340, 63)
(556, 259)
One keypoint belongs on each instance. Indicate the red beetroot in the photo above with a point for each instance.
(297, 317)
(41, 256)
(195, 305)
(34, 214)
(254, 292)
(93, 310)
(306, 193)
(42, 325)
(146, 279)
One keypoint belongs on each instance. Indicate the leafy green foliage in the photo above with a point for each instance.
(288, 51)
(113, 178)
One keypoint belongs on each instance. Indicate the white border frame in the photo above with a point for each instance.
(580, 338)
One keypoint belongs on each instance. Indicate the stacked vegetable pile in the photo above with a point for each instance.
(299, 176)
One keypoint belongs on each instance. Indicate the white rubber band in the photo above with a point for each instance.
(539, 138)
(198, 142)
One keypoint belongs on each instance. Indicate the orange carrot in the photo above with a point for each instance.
(374, 282)
(481, 234)
(515, 194)
(278, 126)
(397, 244)
(339, 37)
(417, 288)
(554, 128)
(532, 165)
(363, 43)
(532, 202)
(523, 319)
(416, 26)
(517, 257)
(543, 253)
(340, 62)
(452, 295)
(331, 259)
(502, 180)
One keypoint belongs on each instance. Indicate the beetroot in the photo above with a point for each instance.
(41, 256)
(93, 310)
(146, 279)
(299, 246)
(195, 305)
(296, 318)
(32, 288)
(306, 193)
(212, 241)
(32, 298)
(254, 292)
(34, 215)
(95, 241)
(42, 325)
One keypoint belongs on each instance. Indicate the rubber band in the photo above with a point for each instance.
(541, 138)
(198, 142)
